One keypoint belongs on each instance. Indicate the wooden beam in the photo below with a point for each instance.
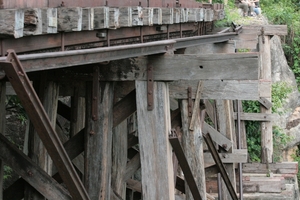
(265, 102)
(132, 166)
(217, 89)
(98, 142)
(267, 29)
(2, 129)
(30, 172)
(276, 168)
(187, 67)
(156, 156)
(237, 156)
(12, 22)
(217, 137)
(134, 185)
(264, 117)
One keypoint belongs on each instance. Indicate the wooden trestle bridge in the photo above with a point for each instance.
(142, 76)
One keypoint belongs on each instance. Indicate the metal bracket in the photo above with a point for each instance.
(190, 102)
(95, 93)
(150, 84)
(220, 165)
(188, 175)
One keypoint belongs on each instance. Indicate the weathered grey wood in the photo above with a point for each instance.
(254, 117)
(134, 185)
(98, 144)
(2, 129)
(193, 15)
(132, 166)
(264, 88)
(69, 19)
(246, 44)
(183, 15)
(147, 16)
(137, 16)
(188, 67)
(88, 19)
(49, 20)
(12, 22)
(119, 159)
(265, 102)
(77, 121)
(217, 137)
(263, 184)
(265, 73)
(192, 143)
(114, 18)
(125, 16)
(237, 156)
(30, 172)
(208, 15)
(167, 15)
(155, 150)
(176, 15)
(101, 17)
(33, 21)
(157, 16)
(242, 126)
(210, 110)
(276, 168)
(196, 106)
(201, 15)
(267, 29)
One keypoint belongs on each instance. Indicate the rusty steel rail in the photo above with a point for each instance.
(220, 165)
(30, 101)
(54, 60)
(188, 175)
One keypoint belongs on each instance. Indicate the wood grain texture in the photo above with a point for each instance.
(101, 17)
(98, 144)
(12, 22)
(254, 117)
(69, 19)
(49, 20)
(155, 149)
(237, 156)
(88, 19)
(268, 29)
(2, 129)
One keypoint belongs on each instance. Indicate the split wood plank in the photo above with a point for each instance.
(156, 156)
(32, 21)
(264, 117)
(69, 19)
(2, 130)
(217, 137)
(30, 172)
(268, 29)
(98, 143)
(196, 105)
(188, 67)
(237, 156)
(49, 20)
(88, 19)
(12, 22)
(276, 168)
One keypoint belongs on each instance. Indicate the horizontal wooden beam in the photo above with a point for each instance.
(237, 156)
(263, 117)
(278, 168)
(30, 172)
(267, 29)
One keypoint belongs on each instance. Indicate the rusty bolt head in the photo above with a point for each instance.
(92, 132)
(224, 146)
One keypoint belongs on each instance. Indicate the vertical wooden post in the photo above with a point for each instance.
(192, 143)
(48, 94)
(77, 113)
(119, 159)
(156, 153)
(265, 74)
(98, 143)
(226, 127)
(2, 129)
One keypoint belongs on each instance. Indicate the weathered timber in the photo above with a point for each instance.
(211, 171)
(157, 16)
(132, 166)
(49, 20)
(32, 21)
(265, 102)
(254, 117)
(237, 156)
(148, 16)
(137, 16)
(267, 29)
(167, 15)
(192, 16)
(208, 15)
(265, 73)
(217, 89)
(134, 185)
(210, 110)
(88, 19)
(98, 143)
(113, 16)
(264, 88)
(196, 106)
(12, 22)
(276, 168)
(30, 172)
(119, 159)
(125, 16)
(77, 118)
(176, 15)
(217, 137)
(2, 129)
(263, 184)
(156, 156)
(192, 143)
(197, 67)
(69, 19)
(243, 137)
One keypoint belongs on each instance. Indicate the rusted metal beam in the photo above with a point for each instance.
(184, 165)
(220, 165)
(30, 101)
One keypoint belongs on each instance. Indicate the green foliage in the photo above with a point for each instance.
(280, 91)
(296, 158)
(7, 172)
(280, 140)
(13, 104)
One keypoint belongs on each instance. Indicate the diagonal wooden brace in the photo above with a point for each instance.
(30, 101)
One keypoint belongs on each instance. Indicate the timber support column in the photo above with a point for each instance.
(98, 139)
(265, 75)
(2, 129)
(154, 127)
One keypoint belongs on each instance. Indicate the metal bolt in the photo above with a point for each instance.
(92, 132)
(29, 173)
(224, 146)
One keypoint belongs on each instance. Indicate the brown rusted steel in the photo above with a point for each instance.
(188, 175)
(150, 84)
(30, 101)
(220, 165)
(95, 92)
(190, 102)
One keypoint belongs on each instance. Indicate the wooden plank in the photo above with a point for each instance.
(208, 15)
(237, 156)
(246, 44)
(137, 16)
(2, 129)
(125, 16)
(30, 172)
(114, 18)
(265, 88)
(132, 166)
(156, 156)
(88, 19)
(69, 19)
(217, 89)
(264, 117)
(49, 20)
(276, 168)
(188, 67)
(134, 185)
(167, 15)
(98, 144)
(101, 17)
(147, 16)
(12, 22)
(157, 16)
(217, 137)
(176, 15)
(268, 29)
(192, 144)
(196, 106)
(265, 102)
